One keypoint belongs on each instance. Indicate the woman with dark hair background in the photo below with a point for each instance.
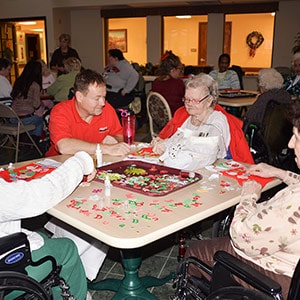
(26, 97)
(169, 83)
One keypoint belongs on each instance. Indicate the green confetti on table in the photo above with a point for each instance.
(122, 225)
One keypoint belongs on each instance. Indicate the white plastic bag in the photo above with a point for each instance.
(187, 152)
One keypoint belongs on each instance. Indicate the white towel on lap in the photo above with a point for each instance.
(92, 252)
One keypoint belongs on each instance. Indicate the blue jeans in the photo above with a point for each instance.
(35, 120)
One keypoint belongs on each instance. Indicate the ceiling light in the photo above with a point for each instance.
(38, 29)
(183, 17)
(27, 23)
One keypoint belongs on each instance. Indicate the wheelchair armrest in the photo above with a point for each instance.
(247, 273)
(12, 241)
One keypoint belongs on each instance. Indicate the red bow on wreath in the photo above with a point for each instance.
(254, 40)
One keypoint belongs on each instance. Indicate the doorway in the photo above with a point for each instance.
(33, 48)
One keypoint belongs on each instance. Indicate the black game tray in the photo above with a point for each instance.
(236, 94)
(146, 178)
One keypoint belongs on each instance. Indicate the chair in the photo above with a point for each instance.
(11, 132)
(159, 113)
(15, 257)
(222, 285)
(240, 73)
(269, 141)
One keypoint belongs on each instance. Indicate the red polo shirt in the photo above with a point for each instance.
(65, 122)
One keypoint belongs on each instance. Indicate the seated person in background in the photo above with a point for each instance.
(23, 199)
(292, 83)
(26, 94)
(203, 135)
(60, 54)
(61, 87)
(47, 80)
(169, 83)
(257, 237)
(86, 120)
(5, 86)
(121, 79)
(226, 79)
(270, 85)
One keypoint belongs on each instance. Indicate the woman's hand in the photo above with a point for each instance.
(91, 176)
(158, 145)
(251, 187)
(265, 170)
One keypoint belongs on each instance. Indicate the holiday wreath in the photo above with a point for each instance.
(254, 40)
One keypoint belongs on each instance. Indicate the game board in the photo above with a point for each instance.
(146, 178)
(27, 173)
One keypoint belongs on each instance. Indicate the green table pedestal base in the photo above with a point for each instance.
(131, 286)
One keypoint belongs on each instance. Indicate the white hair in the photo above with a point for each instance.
(269, 79)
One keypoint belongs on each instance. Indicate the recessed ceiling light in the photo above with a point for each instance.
(27, 23)
(183, 17)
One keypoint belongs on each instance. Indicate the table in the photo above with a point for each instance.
(237, 105)
(129, 221)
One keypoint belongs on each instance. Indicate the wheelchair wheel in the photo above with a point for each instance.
(238, 293)
(23, 287)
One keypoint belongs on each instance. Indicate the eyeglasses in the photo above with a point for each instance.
(194, 101)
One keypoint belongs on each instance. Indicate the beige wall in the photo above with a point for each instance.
(83, 19)
(242, 25)
(136, 37)
(181, 36)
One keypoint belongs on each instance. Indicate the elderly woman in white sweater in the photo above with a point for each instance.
(22, 199)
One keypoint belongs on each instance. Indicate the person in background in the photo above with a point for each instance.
(226, 79)
(169, 83)
(47, 80)
(5, 86)
(270, 85)
(62, 53)
(22, 199)
(292, 83)
(256, 236)
(26, 94)
(121, 79)
(86, 120)
(60, 89)
(200, 118)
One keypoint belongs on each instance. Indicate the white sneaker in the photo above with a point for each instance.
(88, 296)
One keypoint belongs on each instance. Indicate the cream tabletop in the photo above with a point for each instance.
(130, 220)
(238, 101)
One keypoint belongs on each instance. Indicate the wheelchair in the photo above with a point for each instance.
(15, 256)
(222, 285)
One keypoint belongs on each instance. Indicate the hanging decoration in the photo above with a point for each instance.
(254, 40)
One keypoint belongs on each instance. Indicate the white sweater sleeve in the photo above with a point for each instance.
(23, 199)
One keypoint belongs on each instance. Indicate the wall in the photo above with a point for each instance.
(181, 36)
(136, 37)
(242, 25)
(287, 24)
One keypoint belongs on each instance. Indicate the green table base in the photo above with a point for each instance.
(131, 286)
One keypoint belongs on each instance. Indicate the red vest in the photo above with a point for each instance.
(238, 146)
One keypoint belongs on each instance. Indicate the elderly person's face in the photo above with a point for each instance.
(296, 66)
(92, 102)
(294, 143)
(63, 43)
(197, 101)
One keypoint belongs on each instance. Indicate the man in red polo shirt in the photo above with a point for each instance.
(86, 120)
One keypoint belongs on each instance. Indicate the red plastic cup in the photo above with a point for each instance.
(128, 123)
